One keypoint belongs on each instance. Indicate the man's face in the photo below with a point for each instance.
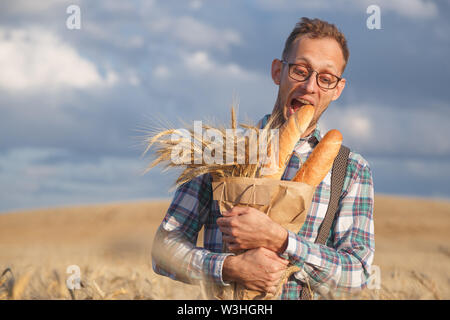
(321, 55)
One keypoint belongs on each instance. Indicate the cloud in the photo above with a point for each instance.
(29, 7)
(421, 9)
(214, 83)
(390, 130)
(195, 4)
(355, 121)
(46, 183)
(194, 33)
(201, 62)
(35, 58)
(186, 60)
(101, 34)
(161, 72)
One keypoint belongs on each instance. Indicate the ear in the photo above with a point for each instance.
(277, 66)
(340, 87)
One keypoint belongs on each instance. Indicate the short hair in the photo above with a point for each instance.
(317, 29)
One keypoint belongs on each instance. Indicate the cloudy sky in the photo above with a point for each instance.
(72, 102)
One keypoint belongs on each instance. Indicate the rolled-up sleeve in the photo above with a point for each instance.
(174, 252)
(344, 263)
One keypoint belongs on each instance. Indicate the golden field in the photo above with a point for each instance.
(111, 244)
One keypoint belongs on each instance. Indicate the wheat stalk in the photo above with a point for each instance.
(19, 285)
(97, 288)
(429, 284)
(165, 143)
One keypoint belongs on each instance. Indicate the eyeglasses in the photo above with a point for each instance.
(302, 73)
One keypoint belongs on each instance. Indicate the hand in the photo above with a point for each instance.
(249, 228)
(257, 269)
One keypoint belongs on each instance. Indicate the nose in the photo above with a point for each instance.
(310, 85)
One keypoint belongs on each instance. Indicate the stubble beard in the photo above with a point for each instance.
(278, 113)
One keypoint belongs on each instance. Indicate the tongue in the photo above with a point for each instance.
(296, 104)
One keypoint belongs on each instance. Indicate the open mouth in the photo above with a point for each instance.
(297, 103)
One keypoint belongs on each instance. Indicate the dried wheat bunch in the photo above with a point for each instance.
(174, 148)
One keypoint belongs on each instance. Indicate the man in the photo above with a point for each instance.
(310, 72)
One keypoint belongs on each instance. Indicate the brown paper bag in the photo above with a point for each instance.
(286, 202)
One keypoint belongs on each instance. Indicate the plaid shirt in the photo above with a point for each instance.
(343, 264)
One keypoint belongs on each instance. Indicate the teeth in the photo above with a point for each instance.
(303, 101)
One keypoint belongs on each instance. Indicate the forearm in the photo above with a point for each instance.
(174, 250)
(178, 258)
(257, 269)
(246, 228)
(229, 270)
(276, 238)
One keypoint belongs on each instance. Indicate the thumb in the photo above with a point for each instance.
(227, 213)
(233, 212)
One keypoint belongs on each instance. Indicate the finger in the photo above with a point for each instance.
(229, 221)
(272, 290)
(233, 246)
(227, 213)
(225, 222)
(236, 245)
(219, 222)
(276, 272)
(237, 211)
(233, 212)
(283, 261)
(279, 275)
(229, 239)
(279, 264)
(274, 256)
(225, 230)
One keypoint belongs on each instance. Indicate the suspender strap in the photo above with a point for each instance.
(337, 182)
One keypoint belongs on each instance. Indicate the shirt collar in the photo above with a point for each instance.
(312, 139)
(315, 136)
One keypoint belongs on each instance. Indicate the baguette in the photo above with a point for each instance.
(290, 132)
(320, 161)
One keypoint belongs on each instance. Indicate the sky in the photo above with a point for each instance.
(74, 102)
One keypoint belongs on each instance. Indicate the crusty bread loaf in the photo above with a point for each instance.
(290, 132)
(320, 161)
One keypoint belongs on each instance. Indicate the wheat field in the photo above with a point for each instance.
(110, 245)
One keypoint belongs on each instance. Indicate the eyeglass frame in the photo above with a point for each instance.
(311, 71)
